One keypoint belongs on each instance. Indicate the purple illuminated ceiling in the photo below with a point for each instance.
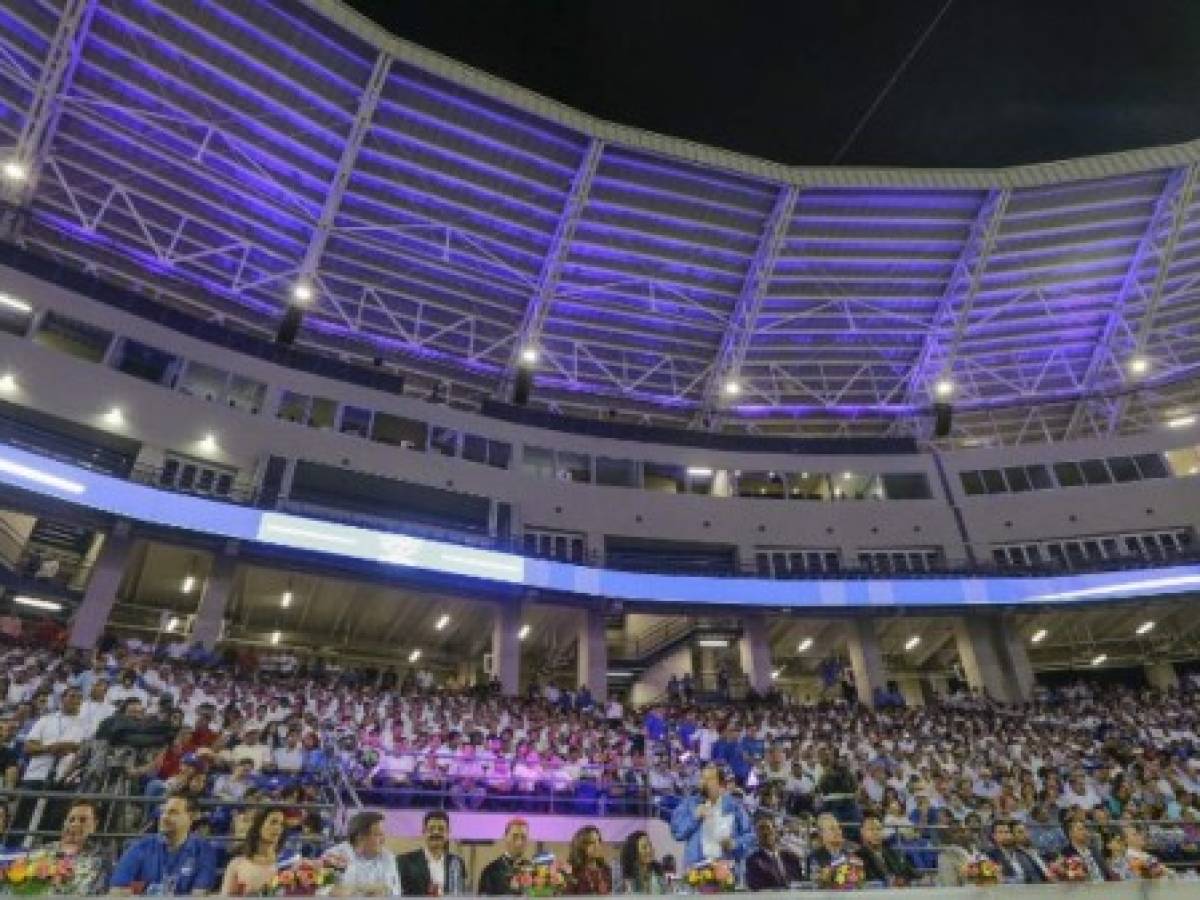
(194, 145)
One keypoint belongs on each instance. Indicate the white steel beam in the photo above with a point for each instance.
(367, 103)
(1102, 353)
(41, 119)
(1145, 327)
(735, 340)
(959, 296)
(529, 333)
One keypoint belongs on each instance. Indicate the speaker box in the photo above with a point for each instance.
(522, 386)
(943, 419)
(289, 327)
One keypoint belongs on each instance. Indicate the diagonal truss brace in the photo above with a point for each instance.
(735, 341)
(1166, 209)
(959, 294)
(1145, 328)
(533, 321)
(41, 120)
(367, 104)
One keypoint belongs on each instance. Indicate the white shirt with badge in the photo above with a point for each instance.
(54, 728)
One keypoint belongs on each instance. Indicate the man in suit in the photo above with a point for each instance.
(496, 878)
(1015, 863)
(1083, 847)
(771, 868)
(882, 863)
(833, 844)
(433, 871)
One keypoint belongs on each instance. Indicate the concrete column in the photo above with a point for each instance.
(983, 657)
(866, 659)
(466, 673)
(755, 648)
(910, 689)
(592, 655)
(91, 617)
(15, 529)
(1162, 676)
(210, 614)
(1017, 658)
(506, 646)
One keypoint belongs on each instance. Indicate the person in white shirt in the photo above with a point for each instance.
(128, 689)
(52, 746)
(370, 869)
(96, 708)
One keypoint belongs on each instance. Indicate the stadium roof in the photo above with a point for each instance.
(217, 155)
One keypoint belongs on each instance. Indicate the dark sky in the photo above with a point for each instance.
(999, 82)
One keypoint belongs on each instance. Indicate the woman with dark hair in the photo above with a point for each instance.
(640, 871)
(253, 870)
(589, 872)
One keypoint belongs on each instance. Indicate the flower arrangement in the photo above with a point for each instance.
(980, 870)
(711, 877)
(1148, 868)
(37, 872)
(544, 877)
(305, 877)
(1068, 869)
(844, 873)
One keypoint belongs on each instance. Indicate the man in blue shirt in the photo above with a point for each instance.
(171, 862)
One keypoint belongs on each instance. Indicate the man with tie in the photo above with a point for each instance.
(771, 868)
(433, 871)
(881, 863)
(496, 878)
(1082, 848)
(1015, 863)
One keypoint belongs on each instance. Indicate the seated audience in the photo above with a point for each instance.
(771, 867)
(496, 878)
(881, 863)
(174, 861)
(640, 870)
(370, 868)
(590, 874)
(433, 870)
(253, 870)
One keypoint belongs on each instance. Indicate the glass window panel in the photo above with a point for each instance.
(993, 481)
(906, 486)
(443, 441)
(762, 565)
(396, 431)
(1095, 471)
(72, 337)
(768, 485)
(833, 562)
(1018, 480)
(499, 454)
(616, 472)
(809, 486)
(206, 382)
(321, 413)
(293, 407)
(356, 421)
(1039, 478)
(1151, 465)
(662, 477)
(143, 361)
(538, 461)
(475, 448)
(999, 556)
(1123, 469)
(972, 483)
(246, 393)
(851, 486)
(1068, 474)
(574, 467)
(700, 480)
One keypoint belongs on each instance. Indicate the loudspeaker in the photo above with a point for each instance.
(289, 327)
(522, 386)
(943, 419)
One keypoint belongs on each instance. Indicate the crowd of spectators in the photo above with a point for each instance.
(1116, 769)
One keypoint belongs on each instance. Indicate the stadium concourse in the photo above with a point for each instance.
(1108, 776)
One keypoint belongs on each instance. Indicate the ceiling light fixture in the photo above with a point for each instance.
(1139, 365)
(699, 472)
(1039, 636)
(208, 444)
(912, 642)
(414, 656)
(8, 382)
(805, 645)
(189, 584)
(15, 171)
(1099, 659)
(776, 673)
(286, 600)
(529, 356)
(38, 603)
(275, 636)
(303, 292)
(1146, 627)
(1181, 422)
(943, 387)
(14, 303)
(172, 624)
(442, 623)
(713, 642)
(732, 388)
(523, 633)
(115, 417)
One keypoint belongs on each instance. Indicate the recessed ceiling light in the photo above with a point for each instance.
(805, 645)
(523, 633)
(699, 471)
(1146, 627)
(1099, 659)
(776, 673)
(529, 355)
(38, 603)
(943, 387)
(15, 171)
(303, 292)
(286, 600)
(1039, 636)
(115, 417)
(1139, 365)
(172, 623)
(1181, 422)
(208, 443)
(275, 636)
(414, 656)
(189, 584)
(442, 623)
(732, 388)
(8, 382)
(713, 642)
(912, 642)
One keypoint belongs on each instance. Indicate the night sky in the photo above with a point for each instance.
(999, 82)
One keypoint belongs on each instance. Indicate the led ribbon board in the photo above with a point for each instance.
(72, 484)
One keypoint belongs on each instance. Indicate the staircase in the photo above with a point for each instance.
(666, 637)
(68, 544)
